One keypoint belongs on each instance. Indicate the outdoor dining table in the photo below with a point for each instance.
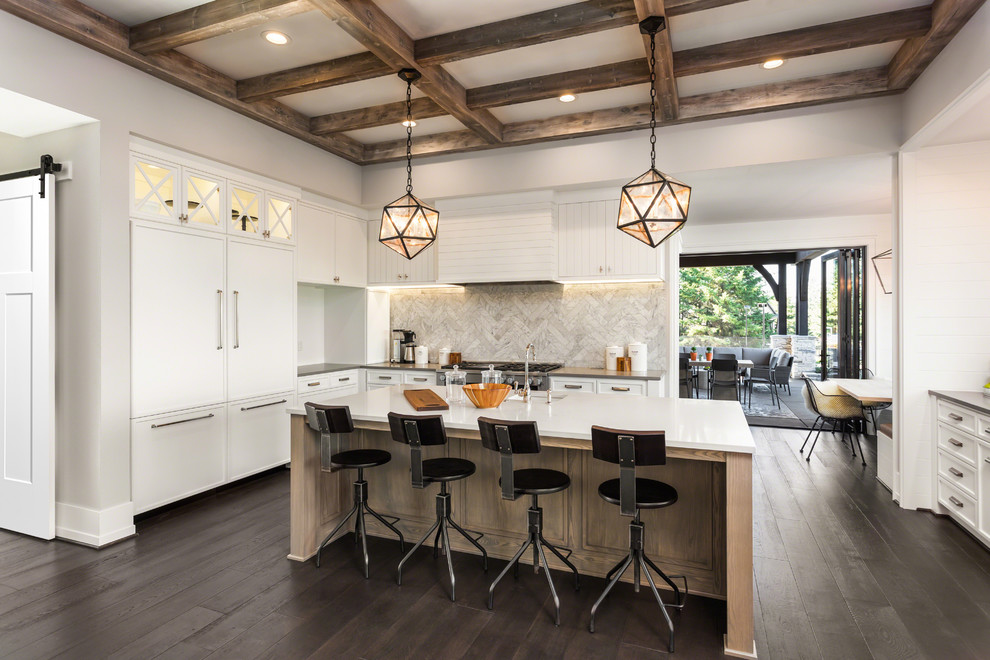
(743, 364)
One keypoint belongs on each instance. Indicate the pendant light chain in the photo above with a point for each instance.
(409, 125)
(653, 100)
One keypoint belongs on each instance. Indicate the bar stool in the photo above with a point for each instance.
(629, 449)
(418, 431)
(521, 437)
(327, 420)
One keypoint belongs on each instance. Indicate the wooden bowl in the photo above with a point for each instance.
(487, 395)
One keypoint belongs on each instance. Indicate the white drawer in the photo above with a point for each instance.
(962, 507)
(616, 386)
(558, 384)
(957, 472)
(313, 383)
(983, 425)
(956, 442)
(386, 378)
(421, 378)
(957, 417)
(258, 437)
(344, 378)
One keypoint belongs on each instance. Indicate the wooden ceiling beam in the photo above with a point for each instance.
(343, 70)
(209, 20)
(376, 31)
(817, 90)
(853, 33)
(86, 26)
(381, 115)
(665, 84)
(948, 17)
(681, 7)
(608, 76)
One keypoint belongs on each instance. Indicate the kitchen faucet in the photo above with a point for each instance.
(529, 347)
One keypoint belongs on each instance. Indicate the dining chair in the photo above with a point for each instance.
(833, 407)
(723, 379)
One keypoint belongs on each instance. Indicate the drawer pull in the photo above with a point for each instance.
(987, 430)
(955, 443)
(384, 378)
(620, 389)
(420, 380)
(954, 472)
(312, 384)
(343, 380)
(182, 421)
(263, 405)
(573, 387)
(956, 502)
(986, 460)
(954, 417)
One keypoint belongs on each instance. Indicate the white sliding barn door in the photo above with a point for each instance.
(27, 373)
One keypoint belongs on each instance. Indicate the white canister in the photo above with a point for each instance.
(613, 353)
(443, 357)
(637, 356)
(422, 355)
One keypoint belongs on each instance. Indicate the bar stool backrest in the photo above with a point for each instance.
(628, 449)
(327, 420)
(417, 431)
(508, 438)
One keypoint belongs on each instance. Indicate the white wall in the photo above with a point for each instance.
(944, 296)
(311, 325)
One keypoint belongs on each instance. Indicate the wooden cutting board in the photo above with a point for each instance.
(425, 400)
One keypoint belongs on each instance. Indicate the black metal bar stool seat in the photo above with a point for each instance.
(629, 449)
(522, 437)
(419, 431)
(650, 493)
(329, 420)
(360, 458)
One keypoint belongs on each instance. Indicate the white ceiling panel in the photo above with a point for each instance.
(553, 57)
(800, 67)
(132, 12)
(758, 17)
(425, 18)
(398, 131)
(246, 53)
(363, 94)
(607, 98)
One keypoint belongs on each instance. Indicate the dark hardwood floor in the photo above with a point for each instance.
(840, 572)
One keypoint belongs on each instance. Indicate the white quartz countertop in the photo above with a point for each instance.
(688, 423)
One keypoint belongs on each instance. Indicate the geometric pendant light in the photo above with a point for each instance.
(653, 206)
(408, 225)
(883, 264)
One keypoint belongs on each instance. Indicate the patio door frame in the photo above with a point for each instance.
(851, 321)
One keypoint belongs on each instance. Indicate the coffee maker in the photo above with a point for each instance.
(407, 346)
(396, 353)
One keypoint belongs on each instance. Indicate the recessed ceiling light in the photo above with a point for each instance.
(773, 64)
(567, 98)
(409, 123)
(277, 38)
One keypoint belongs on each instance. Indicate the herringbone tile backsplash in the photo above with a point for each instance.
(571, 324)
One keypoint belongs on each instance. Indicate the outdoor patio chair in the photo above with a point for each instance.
(688, 379)
(781, 374)
(762, 374)
(723, 379)
(839, 410)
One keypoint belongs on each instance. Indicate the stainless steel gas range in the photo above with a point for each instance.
(513, 373)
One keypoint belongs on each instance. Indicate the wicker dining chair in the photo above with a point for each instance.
(839, 410)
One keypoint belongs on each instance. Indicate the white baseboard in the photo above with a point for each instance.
(91, 527)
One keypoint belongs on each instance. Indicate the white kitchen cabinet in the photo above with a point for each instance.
(174, 194)
(177, 319)
(177, 455)
(617, 386)
(260, 333)
(382, 378)
(257, 435)
(420, 378)
(572, 384)
(333, 247)
(591, 248)
(386, 267)
(564, 384)
(259, 214)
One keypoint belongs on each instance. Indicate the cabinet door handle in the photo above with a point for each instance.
(420, 380)
(384, 378)
(986, 460)
(572, 387)
(601, 269)
(220, 319)
(237, 320)
(182, 421)
(986, 430)
(343, 380)
(955, 443)
(312, 384)
(620, 389)
(263, 405)
(955, 501)
(954, 417)
(954, 472)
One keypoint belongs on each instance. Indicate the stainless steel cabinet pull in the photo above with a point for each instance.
(954, 472)
(955, 501)
(953, 441)
(343, 380)
(986, 460)
(620, 389)
(954, 417)
(263, 405)
(237, 320)
(420, 380)
(220, 320)
(182, 421)
(312, 384)
(384, 378)
(572, 387)
(987, 430)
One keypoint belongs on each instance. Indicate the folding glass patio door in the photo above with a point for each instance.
(843, 346)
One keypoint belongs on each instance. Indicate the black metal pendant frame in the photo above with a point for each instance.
(886, 281)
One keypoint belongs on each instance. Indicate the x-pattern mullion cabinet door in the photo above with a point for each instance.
(155, 190)
(247, 205)
(280, 219)
(205, 200)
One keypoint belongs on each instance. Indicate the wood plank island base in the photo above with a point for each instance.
(707, 535)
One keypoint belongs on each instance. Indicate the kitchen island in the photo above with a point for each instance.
(707, 535)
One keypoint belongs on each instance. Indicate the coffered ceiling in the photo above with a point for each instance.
(492, 71)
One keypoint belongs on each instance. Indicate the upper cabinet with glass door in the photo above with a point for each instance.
(174, 194)
(257, 214)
